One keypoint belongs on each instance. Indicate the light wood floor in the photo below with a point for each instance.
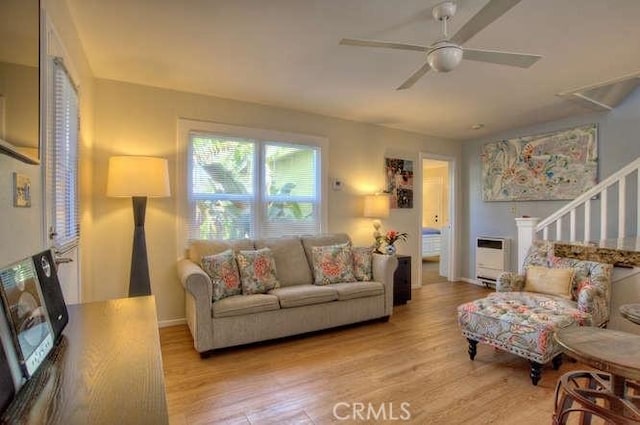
(418, 357)
(431, 272)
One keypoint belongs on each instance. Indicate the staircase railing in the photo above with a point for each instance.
(577, 221)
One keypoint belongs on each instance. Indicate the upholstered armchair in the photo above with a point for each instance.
(591, 287)
(522, 319)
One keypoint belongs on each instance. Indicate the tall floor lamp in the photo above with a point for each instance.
(138, 177)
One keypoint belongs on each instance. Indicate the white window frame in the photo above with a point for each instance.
(182, 180)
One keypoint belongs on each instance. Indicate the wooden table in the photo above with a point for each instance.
(631, 312)
(607, 395)
(107, 369)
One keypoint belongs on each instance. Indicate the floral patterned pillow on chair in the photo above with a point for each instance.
(332, 264)
(257, 271)
(362, 259)
(223, 271)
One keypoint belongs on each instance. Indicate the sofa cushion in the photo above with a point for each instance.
(332, 264)
(299, 295)
(291, 262)
(239, 305)
(309, 241)
(257, 271)
(201, 248)
(223, 271)
(351, 290)
(551, 281)
(362, 263)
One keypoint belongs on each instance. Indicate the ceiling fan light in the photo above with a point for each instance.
(445, 58)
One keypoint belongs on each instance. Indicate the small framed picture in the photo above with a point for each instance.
(21, 191)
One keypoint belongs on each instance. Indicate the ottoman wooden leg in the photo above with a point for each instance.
(536, 372)
(557, 362)
(472, 348)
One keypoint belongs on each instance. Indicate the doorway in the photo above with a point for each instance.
(436, 220)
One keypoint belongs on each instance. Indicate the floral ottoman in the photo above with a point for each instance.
(522, 323)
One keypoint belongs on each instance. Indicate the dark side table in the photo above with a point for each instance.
(402, 281)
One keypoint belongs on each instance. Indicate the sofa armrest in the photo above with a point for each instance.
(193, 278)
(594, 292)
(509, 282)
(593, 300)
(384, 266)
(199, 294)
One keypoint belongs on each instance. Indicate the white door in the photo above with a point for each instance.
(69, 274)
(438, 206)
(60, 122)
(444, 252)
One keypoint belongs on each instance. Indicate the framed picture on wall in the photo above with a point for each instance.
(21, 191)
(399, 179)
(552, 166)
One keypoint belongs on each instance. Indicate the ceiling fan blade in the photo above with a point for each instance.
(520, 60)
(415, 76)
(383, 44)
(489, 13)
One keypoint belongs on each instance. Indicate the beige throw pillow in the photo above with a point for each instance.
(552, 281)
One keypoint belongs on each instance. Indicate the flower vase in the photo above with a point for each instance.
(390, 249)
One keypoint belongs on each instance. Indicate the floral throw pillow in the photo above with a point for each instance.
(223, 271)
(257, 271)
(362, 259)
(332, 264)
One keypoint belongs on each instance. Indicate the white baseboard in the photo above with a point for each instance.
(172, 322)
(472, 281)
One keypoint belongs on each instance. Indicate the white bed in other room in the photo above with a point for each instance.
(431, 239)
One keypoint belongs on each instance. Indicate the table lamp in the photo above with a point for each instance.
(376, 207)
(138, 177)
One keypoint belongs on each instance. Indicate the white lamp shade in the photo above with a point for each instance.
(445, 57)
(138, 176)
(376, 206)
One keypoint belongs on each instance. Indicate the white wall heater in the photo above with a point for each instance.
(492, 258)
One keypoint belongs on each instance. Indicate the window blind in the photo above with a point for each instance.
(291, 186)
(62, 159)
(247, 188)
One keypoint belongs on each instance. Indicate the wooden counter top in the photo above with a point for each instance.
(107, 369)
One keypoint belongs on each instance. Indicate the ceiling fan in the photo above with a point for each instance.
(445, 54)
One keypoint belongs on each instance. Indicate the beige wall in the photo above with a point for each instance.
(138, 120)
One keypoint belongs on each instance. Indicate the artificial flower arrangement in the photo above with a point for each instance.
(389, 239)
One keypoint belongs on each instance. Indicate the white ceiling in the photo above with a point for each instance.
(286, 53)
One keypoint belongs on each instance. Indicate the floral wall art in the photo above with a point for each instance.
(553, 166)
(399, 176)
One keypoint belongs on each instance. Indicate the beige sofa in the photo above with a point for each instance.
(296, 307)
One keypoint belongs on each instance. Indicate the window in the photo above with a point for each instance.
(247, 187)
(62, 161)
